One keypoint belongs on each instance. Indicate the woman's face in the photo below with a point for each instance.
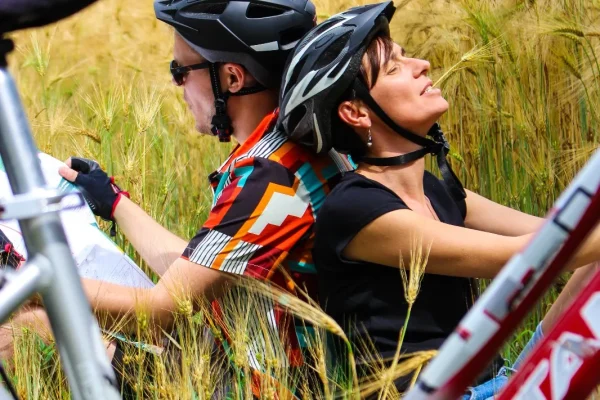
(404, 92)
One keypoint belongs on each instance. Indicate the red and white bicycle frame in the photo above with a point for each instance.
(513, 293)
(566, 364)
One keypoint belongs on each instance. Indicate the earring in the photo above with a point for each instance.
(369, 140)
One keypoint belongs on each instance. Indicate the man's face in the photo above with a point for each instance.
(197, 90)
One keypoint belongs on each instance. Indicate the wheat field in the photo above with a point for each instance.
(522, 78)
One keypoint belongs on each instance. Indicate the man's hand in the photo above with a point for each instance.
(99, 190)
(157, 246)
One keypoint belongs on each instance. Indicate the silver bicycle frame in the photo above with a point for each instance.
(50, 270)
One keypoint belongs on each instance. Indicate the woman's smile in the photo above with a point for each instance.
(432, 91)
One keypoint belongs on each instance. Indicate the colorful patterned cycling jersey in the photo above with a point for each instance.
(266, 196)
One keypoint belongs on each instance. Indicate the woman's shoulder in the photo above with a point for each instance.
(352, 204)
(355, 195)
(354, 186)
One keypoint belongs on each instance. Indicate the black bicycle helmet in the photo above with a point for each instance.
(258, 34)
(324, 66)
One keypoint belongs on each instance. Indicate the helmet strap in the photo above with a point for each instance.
(438, 146)
(221, 122)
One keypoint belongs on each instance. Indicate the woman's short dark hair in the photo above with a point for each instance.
(378, 54)
(376, 58)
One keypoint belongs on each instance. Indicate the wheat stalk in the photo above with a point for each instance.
(411, 285)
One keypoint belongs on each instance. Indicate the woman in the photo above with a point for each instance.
(340, 79)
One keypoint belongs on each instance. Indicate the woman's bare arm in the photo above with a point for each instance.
(488, 216)
(455, 251)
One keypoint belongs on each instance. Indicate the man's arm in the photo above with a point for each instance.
(155, 244)
(254, 224)
(182, 281)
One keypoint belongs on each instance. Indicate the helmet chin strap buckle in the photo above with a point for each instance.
(221, 122)
(438, 136)
(222, 132)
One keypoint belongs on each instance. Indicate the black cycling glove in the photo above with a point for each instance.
(98, 189)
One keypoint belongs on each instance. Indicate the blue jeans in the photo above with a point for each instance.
(488, 389)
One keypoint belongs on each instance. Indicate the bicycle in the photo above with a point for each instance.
(50, 269)
(576, 337)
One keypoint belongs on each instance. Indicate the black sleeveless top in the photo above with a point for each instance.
(367, 299)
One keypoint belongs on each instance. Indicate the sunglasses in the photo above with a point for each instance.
(179, 73)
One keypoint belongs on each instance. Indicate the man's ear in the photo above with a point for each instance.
(234, 77)
(355, 114)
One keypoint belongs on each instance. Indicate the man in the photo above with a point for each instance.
(229, 59)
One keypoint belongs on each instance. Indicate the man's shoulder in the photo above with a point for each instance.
(276, 151)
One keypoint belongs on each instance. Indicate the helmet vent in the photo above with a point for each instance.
(295, 74)
(291, 35)
(206, 8)
(171, 12)
(333, 51)
(263, 11)
(322, 27)
(296, 116)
